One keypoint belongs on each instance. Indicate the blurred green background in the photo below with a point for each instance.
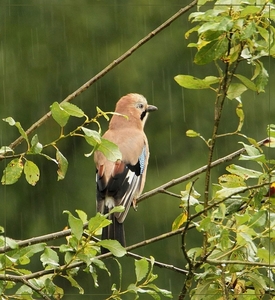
(50, 48)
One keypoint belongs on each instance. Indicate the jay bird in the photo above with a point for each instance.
(121, 182)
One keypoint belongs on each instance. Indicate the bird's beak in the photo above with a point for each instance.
(151, 108)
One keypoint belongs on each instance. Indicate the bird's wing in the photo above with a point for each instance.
(122, 181)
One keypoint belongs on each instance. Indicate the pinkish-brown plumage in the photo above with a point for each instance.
(121, 182)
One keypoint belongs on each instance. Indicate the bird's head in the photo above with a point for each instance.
(135, 107)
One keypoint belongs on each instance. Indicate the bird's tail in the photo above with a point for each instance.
(114, 231)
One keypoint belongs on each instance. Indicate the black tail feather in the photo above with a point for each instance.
(114, 231)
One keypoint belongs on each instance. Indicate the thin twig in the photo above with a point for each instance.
(240, 262)
(116, 62)
(158, 264)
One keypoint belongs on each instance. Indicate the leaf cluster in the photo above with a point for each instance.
(80, 252)
(61, 114)
(235, 217)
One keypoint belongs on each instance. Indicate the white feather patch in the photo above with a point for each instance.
(109, 202)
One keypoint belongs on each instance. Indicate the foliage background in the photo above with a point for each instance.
(47, 50)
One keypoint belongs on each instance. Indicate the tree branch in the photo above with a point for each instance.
(197, 172)
(116, 62)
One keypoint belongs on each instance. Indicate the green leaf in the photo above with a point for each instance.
(249, 10)
(235, 90)
(242, 219)
(100, 264)
(194, 253)
(243, 172)
(227, 192)
(225, 241)
(240, 114)
(248, 31)
(82, 215)
(265, 255)
(163, 292)
(32, 172)
(72, 109)
(75, 224)
(36, 147)
(247, 82)
(113, 246)
(258, 282)
(59, 114)
(9, 242)
(49, 258)
(12, 172)
(141, 268)
(212, 51)
(74, 283)
(110, 150)
(258, 219)
(24, 292)
(187, 34)
(29, 251)
(262, 78)
(118, 208)
(251, 150)
(11, 122)
(92, 137)
(225, 24)
(191, 82)
(4, 150)
(192, 133)
(258, 158)
(62, 165)
(50, 287)
(96, 223)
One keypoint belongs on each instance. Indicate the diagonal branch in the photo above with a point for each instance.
(194, 173)
(102, 73)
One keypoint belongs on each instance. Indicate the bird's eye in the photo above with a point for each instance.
(140, 106)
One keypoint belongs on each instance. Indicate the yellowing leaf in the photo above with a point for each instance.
(243, 172)
(212, 51)
(12, 171)
(32, 172)
(192, 133)
(181, 219)
(240, 114)
(231, 181)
